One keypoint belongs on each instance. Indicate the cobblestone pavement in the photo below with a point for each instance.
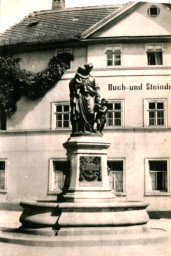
(11, 219)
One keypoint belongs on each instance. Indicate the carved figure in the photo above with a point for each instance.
(83, 90)
(101, 110)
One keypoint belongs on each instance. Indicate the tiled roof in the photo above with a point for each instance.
(55, 25)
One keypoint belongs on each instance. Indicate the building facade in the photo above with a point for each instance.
(130, 48)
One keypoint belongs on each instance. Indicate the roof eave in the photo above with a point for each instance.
(128, 39)
(20, 47)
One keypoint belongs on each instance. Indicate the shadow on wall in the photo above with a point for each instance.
(24, 107)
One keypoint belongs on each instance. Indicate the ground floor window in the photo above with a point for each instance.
(157, 175)
(115, 171)
(57, 174)
(3, 176)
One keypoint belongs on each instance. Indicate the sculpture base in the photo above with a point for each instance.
(51, 218)
(149, 237)
(88, 179)
(69, 224)
(88, 196)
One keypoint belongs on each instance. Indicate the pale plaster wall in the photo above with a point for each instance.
(134, 107)
(139, 23)
(80, 57)
(28, 162)
(37, 61)
(132, 55)
(37, 114)
(136, 147)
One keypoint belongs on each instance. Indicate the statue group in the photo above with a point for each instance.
(88, 110)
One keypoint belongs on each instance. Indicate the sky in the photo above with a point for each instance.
(12, 11)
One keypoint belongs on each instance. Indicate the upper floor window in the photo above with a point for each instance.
(65, 51)
(113, 56)
(155, 112)
(153, 11)
(3, 176)
(61, 115)
(115, 113)
(157, 177)
(154, 54)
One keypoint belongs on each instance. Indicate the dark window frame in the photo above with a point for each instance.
(159, 174)
(115, 115)
(61, 122)
(113, 56)
(156, 116)
(3, 175)
(116, 170)
(153, 11)
(154, 55)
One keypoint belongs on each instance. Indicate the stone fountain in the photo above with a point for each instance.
(86, 212)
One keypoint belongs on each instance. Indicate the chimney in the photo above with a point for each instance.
(58, 4)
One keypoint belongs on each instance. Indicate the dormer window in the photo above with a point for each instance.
(153, 11)
(33, 23)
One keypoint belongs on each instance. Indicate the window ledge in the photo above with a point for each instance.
(121, 194)
(157, 194)
(137, 129)
(155, 126)
(3, 191)
(114, 127)
(54, 192)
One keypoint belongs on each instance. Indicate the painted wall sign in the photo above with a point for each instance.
(141, 86)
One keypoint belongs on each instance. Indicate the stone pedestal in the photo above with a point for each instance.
(88, 179)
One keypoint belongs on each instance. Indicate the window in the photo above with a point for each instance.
(2, 119)
(66, 53)
(153, 11)
(61, 115)
(3, 178)
(115, 113)
(157, 175)
(113, 56)
(155, 112)
(115, 170)
(58, 171)
(155, 54)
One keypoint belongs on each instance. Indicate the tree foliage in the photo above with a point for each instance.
(16, 82)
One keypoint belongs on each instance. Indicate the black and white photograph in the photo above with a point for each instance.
(85, 128)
